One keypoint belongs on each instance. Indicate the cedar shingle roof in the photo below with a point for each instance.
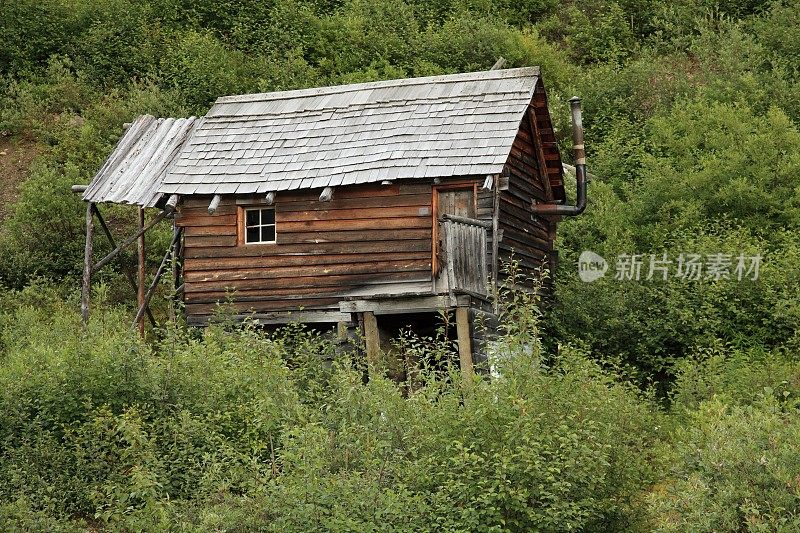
(440, 126)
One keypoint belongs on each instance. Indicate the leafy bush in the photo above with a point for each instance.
(740, 378)
(202, 68)
(100, 405)
(714, 178)
(736, 469)
(248, 429)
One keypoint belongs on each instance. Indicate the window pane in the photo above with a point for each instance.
(267, 216)
(267, 233)
(252, 217)
(252, 234)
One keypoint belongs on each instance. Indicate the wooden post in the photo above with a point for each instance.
(125, 271)
(86, 286)
(464, 342)
(141, 281)
(496, 243)
(154, 284)
(372, 339)
(176, 250)
(127, 242)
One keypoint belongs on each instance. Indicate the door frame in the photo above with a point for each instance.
(452, 186)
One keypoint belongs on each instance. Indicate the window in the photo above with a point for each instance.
(259, 225)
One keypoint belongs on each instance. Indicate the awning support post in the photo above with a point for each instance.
(146, 297)
(140, 253)
(86, 286)
(126, 272)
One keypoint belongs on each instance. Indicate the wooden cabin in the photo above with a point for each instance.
(355, 205)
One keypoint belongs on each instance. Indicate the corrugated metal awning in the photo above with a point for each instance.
(134, 171)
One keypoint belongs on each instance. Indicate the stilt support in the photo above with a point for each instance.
(126, 271)
(372, 339)
(464, 342)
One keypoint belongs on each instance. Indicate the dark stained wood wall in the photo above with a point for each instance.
(534, 172)
(371, 238)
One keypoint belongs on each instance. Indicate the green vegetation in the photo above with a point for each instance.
(646, 405)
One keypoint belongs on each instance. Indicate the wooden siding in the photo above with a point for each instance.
(548, 148)
(369, 239)
(532, 175)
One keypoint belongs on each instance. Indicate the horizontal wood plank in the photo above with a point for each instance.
(363, 247)
(219, 264)
(376, 268)
(344, 283)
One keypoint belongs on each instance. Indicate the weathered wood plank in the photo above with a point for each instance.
(377, 267)
(86, 285)
(226, 218)
(353, 224)
(354, 213)
(140, 290)
(335, 248)
(207, 230)
(262, 306)
(464, 342)
(372, 341)
(209, 241)
(381, 206)
(275, 260)
(415, 304)
(345, 282)
(398, 235)
(264, 289)
(281, 317)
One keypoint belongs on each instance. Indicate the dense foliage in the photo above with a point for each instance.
(691, 109)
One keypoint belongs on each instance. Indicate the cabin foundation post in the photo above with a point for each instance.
(464, 342)
(484, 329)
(86, 286)
(140, 294)
(372, 340)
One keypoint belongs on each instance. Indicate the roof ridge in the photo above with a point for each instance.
(520, 72)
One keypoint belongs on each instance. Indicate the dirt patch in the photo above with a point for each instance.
(15, 161)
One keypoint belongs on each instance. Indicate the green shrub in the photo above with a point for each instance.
(740, 378)
(77, 417)
(30, 32)
(736, 469)
(202, 68)
(251, 430)
(532, 451)
(714, 178)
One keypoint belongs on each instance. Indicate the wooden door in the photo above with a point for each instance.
(458, 201)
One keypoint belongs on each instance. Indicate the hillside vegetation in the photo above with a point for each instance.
(630, 405)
